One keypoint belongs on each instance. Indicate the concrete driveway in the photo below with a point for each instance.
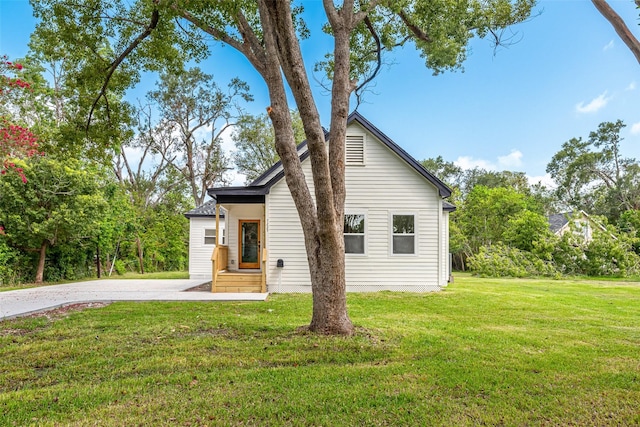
(25, 301)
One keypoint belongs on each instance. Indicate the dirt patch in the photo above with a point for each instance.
(205, 287)
(56, 313)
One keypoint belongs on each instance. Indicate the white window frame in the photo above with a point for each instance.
(205, 237)
(415, 233)
(366, 225)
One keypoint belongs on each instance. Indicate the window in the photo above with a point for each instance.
(209, 236)
(354, 150)
(403, 234)
(354, 234)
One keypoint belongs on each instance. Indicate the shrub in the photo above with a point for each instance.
(609, 256)
(119, 266)
(503, 261)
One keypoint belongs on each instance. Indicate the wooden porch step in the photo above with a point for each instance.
(238, 282)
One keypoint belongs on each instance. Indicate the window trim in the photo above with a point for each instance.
(366, 232)
(416, 250)
(205, 237)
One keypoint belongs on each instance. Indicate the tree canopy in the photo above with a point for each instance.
(593, 175)
(255, 143)
(112, 42)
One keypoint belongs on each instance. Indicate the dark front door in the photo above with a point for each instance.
(249, 243)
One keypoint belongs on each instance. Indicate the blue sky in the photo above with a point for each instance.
(509, 110)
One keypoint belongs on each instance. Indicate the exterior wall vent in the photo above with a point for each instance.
(354, 148)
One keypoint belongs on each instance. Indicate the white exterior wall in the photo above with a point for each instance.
(199, 253)
(385, 185)
(444, 244)
(234, 214)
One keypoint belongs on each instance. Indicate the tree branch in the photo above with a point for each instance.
(421, 35)
(378, 53)
(155, 17)
(619, 25)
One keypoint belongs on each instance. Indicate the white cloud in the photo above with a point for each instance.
(468, 162)
(595, 104)
(632, 86)
(635, 128)
(608, 45)
(545, 180)
(511, 160)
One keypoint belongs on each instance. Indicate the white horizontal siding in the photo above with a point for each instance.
(199, 253)
(383, 186)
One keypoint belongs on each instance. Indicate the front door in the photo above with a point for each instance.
(249, 243)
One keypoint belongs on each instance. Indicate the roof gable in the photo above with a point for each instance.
(274, 174)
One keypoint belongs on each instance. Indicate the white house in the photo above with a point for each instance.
(396, 224)
(202, 238)
(578, 222)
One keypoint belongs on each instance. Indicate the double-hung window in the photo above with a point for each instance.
(209, 236)
(403, 234)
(354, 233)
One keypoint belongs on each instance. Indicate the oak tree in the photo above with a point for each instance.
(159, 34)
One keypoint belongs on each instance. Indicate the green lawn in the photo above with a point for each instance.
(484, 351)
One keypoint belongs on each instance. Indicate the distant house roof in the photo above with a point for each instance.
(206, 210)
(254, 192)
(557, 221)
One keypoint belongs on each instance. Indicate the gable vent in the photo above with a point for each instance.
(354, 150)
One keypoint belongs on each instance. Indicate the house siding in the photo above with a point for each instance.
(383, 186)
(199, 253)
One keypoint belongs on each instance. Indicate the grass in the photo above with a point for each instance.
(128, 275)
(484, 351)
(157, 275)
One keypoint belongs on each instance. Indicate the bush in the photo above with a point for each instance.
(119, 266)
(7, 259)
(503, 261)
(609, 256)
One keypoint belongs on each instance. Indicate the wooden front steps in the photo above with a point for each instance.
(238, 282)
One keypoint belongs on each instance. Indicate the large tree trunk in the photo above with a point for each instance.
(322, 224)
(619, 25)
(41, 260)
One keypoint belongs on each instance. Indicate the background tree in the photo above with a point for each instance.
(255, 143)
(524, 229)
(161, 34)
(191, 102)
(16, 139)
(486, 212)
(447, 172)
(59, 203)
(593, 176)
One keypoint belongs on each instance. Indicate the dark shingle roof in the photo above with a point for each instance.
(557, 221)
(208, 209)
